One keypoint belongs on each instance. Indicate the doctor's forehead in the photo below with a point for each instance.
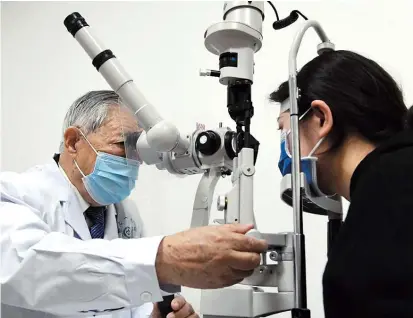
(119, 122)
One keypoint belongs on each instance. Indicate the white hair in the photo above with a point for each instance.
(89, 111)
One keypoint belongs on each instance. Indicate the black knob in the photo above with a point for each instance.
(74, 22)
(208, 142)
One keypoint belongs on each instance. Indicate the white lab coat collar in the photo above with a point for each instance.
(83, 204)
(76, 205)
(73, 205)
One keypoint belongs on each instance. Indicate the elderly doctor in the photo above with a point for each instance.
(70, 242)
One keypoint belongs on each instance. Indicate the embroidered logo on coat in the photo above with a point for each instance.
(127, 228)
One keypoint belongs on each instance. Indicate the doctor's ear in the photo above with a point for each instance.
(71, 139)
(323, 112)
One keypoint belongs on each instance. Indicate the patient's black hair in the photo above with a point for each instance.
(363, 98)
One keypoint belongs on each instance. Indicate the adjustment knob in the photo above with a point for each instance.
(208, 142)
(221, 203)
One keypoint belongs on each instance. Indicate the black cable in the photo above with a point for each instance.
(281, 24)
(275, 10)
(304, 17)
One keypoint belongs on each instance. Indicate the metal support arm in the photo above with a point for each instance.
(299, 241)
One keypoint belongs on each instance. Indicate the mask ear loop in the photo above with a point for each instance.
(77, 166)
(289, 132)
(319, 142)
(305, 113)
(88, 142)
(316, 147)
(311, 152)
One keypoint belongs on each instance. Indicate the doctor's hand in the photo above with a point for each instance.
(209, 257)
(181, 309)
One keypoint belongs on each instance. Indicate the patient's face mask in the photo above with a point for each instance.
(113, 177)
(308, 163)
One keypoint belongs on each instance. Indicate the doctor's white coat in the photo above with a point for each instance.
(45, 268)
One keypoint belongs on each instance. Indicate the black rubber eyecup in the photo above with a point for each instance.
(74, 22)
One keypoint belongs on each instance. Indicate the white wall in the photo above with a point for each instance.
(161, 45)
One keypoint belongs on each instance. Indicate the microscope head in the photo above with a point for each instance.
(236, 39)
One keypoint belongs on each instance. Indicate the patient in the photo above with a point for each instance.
(354, 120)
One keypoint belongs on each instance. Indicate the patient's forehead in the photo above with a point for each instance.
(284, 120)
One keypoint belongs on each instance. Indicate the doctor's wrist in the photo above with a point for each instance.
(165, 264)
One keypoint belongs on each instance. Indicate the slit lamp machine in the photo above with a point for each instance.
(219, 152)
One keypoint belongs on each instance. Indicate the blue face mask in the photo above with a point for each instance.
(113, 178)
(308, 163)
(285, 162)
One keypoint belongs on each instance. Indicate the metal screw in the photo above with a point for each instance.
(274, 256)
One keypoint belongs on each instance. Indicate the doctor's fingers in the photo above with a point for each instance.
(243, 261)
(237, 228)
(185, 311)
(244, 243)
(178, 303)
